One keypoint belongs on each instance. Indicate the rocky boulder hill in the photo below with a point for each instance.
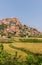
(12, 27)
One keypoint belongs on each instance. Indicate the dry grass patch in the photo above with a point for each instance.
(32, 47)
(12, 51)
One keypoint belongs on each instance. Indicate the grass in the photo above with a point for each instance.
(31, 40)
(23, 46)
(12, 51)
(19, 39)
(30, 48)
(23, 49)
(34, 47)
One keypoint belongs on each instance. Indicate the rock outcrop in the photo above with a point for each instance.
(13, 27)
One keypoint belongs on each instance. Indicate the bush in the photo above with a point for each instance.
(7, 59)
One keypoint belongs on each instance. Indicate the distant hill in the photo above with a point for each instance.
(13, 27)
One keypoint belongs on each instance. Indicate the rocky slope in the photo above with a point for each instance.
(13, 27)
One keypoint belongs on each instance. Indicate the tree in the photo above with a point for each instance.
(3, 26)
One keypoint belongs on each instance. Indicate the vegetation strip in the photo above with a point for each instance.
(30, 40)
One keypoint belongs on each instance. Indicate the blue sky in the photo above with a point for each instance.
(29, 12)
